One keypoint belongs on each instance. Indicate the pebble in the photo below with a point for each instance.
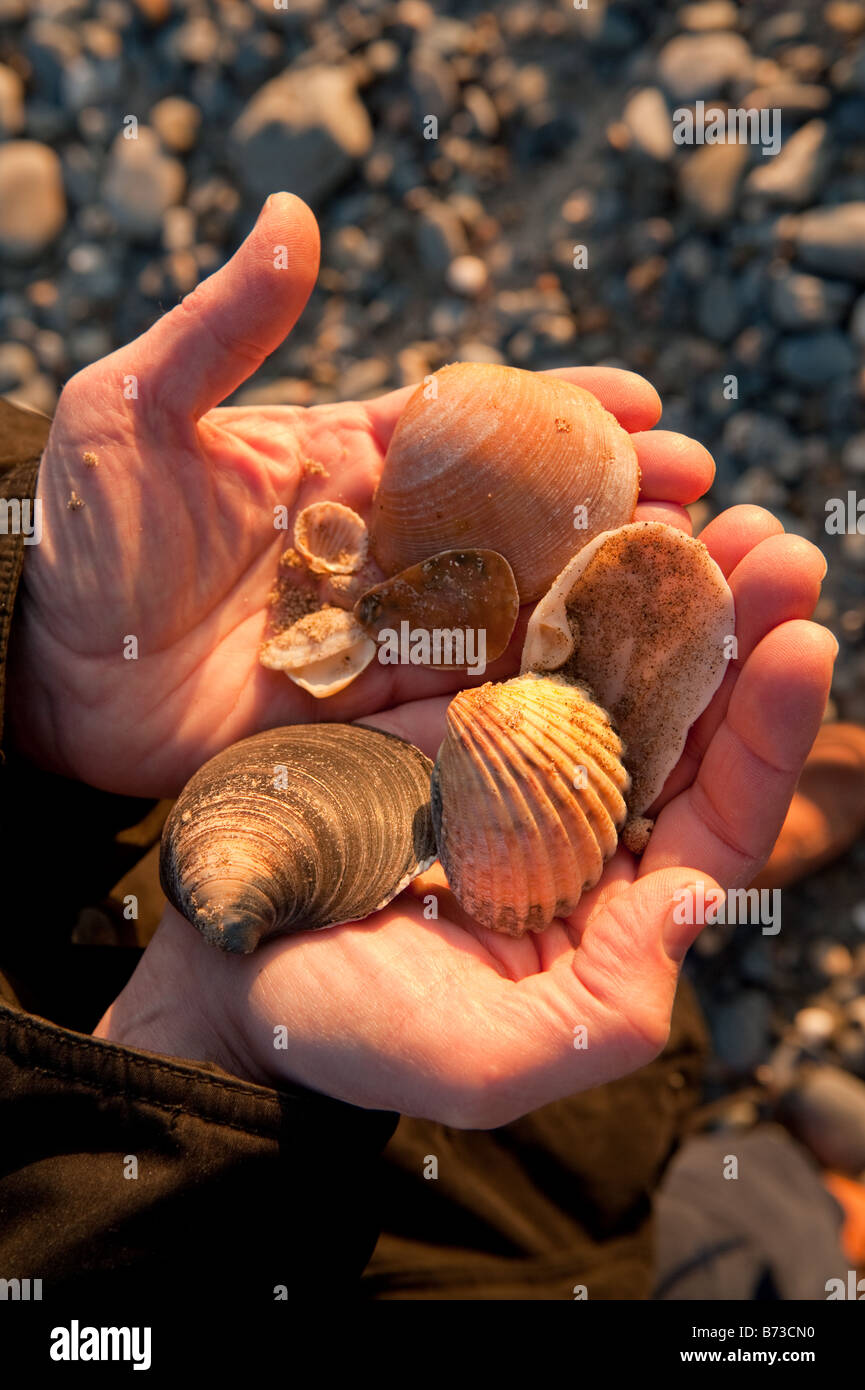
(814, 1025)
(845, 16)
(176, 122)
(467, 275)
(719, 313)
(32, 199)
(647, 119)
(795, 100)
(703, 65)
(11, 102)
(850, 1047)
(830, 241)
(857, 322)
(795, 174)
(806, 301)
(304, 130)
(710, 14)
(140, 183)
(830, 958)
(825, 1109)
(815, 360)
(17, 364)
(440, 237)
(853, 454)
(740, 1029)
(709, 181)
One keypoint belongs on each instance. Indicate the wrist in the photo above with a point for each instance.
(179, 1001)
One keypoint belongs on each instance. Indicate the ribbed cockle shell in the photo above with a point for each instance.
(296, 829)
(491, 457)
(528, 799)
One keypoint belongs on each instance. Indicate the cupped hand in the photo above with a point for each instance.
(140, 616)
(420, 1010)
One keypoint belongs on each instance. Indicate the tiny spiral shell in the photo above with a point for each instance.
(528, 798)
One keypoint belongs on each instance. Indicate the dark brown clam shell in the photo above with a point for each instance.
(296, 829)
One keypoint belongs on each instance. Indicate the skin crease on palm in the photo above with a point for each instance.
(175, 545)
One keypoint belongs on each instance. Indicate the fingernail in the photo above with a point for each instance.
(678, 930)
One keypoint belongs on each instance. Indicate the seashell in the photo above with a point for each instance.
(644, 616)
(296, 829)
(322, 652)
(344, 590)
(331, 538)
(528, 797)
(457, 592)
(490, 456)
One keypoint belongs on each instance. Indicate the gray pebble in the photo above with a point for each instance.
(719, 315)
(440, 237)
(815, 359)
(830, 240)
(806, 301)
(825, 1109)
(304, 130)
(740, 1030)
(140, 183)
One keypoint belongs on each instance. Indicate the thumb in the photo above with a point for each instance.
(649, 926)
(216, 337)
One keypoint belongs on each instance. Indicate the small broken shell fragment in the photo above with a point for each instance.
(528, 797)
(322, 652)
(331, 537)
(296, 829)
(643, 615)
(344, 590)
(470, 594)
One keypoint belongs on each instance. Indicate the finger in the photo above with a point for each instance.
(422, 722)
(776, 582)
(668, 512)
(729, 819)
(619, 986)
(673, 466)
(736, 531)
(216, 337)
(634, 402)
(631, 398)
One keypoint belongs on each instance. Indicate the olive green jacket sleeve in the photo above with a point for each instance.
(125, 1173)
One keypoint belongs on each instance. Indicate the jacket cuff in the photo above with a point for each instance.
(58, 1058)
(23, 436)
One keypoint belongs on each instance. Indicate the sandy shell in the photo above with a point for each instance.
(644, 616)
(331, 537)
(322, 652)
(492, 457)
(528, 797)
(296, 829)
